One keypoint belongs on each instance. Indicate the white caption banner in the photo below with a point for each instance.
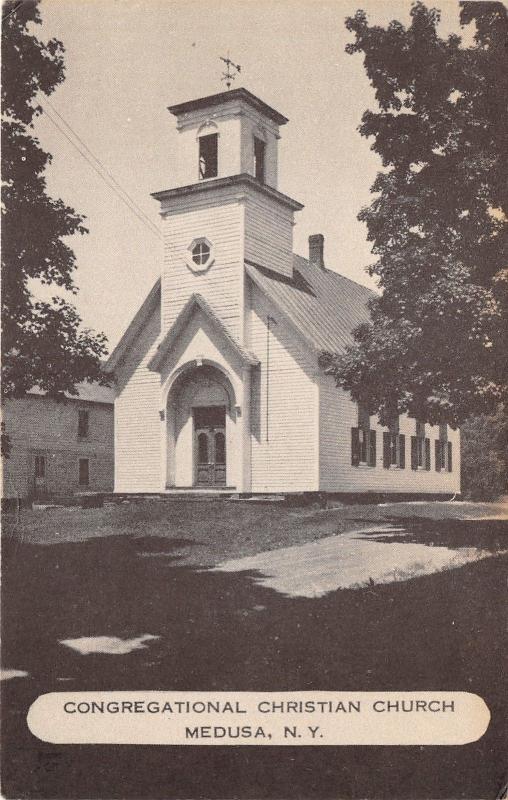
(259, 718)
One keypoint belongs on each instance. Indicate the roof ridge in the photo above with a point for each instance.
(334, 272)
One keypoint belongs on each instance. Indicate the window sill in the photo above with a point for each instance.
(363, 465)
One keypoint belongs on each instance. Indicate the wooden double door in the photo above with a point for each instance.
(210, 445)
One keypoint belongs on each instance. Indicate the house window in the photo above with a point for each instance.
(208, 149)
(84, 472)
(83, 420)
(363, 441)
(259, 159)
(394, 447)
(40, 466)
(420, 448)
(443, 451)
(201, 253)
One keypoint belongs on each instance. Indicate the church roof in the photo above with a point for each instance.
(226, 97)
(197, 301)
(322, 305)
(151, 302)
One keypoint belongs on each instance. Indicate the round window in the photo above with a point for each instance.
(200, 253)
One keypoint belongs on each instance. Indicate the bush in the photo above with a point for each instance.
(484, 456)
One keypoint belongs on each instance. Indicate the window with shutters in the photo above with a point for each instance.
(420, 448)
(363, 441)
(394, 450)
(394, 445)
(443, 451)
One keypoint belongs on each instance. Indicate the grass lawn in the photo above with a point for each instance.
(69, 573)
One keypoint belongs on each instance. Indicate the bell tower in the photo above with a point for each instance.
(225, 208)
(231, 133)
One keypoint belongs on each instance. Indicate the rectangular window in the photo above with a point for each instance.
(420, 445)
(420, 448)
(363, 436)
(84, 472)
(363, 441)
(394, 450)
(363, 447)
(259, 159)
(442, 449)
(40, 466)
(208, 162)
(83, 419)
(420, 452)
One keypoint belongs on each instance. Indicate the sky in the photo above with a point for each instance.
(127, 60)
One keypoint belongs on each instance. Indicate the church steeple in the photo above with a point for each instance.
(226, 134)
(224, 209)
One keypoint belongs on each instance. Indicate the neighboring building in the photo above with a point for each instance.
(218, 383)
(59, 448)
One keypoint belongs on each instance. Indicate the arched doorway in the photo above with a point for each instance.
(200, 429)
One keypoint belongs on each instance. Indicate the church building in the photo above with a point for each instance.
(218, 383)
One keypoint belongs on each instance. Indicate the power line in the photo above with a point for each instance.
(100, 169)
(102, 166)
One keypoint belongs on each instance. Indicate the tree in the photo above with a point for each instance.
(43, 343)
(484, 455)
(437, 343)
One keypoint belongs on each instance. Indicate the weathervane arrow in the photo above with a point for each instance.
(231, 72)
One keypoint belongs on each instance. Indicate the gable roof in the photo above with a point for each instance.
(151, 302)
(322, 305)
(197, 301)
(87, 392)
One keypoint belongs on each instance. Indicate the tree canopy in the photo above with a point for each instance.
(437, 343)
(43, 343)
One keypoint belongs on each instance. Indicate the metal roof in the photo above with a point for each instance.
(323, 305)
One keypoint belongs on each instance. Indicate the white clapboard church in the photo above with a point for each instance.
(218, 385)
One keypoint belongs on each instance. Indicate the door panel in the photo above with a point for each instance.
(220, 456)
(210, 445)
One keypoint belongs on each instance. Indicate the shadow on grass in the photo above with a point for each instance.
(489, 535)
(222, 631)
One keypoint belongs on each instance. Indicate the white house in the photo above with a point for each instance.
(218, 382)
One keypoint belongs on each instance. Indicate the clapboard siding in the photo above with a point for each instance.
(222, 284)
(269, 234)
(288, 460)
(137, 422)
(338, 414)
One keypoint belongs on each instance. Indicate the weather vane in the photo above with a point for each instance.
(229, 75)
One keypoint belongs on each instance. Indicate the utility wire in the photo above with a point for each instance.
(113, 184)
(101, 165)
(100, 169)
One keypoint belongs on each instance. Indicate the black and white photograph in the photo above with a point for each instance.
(254, 411)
